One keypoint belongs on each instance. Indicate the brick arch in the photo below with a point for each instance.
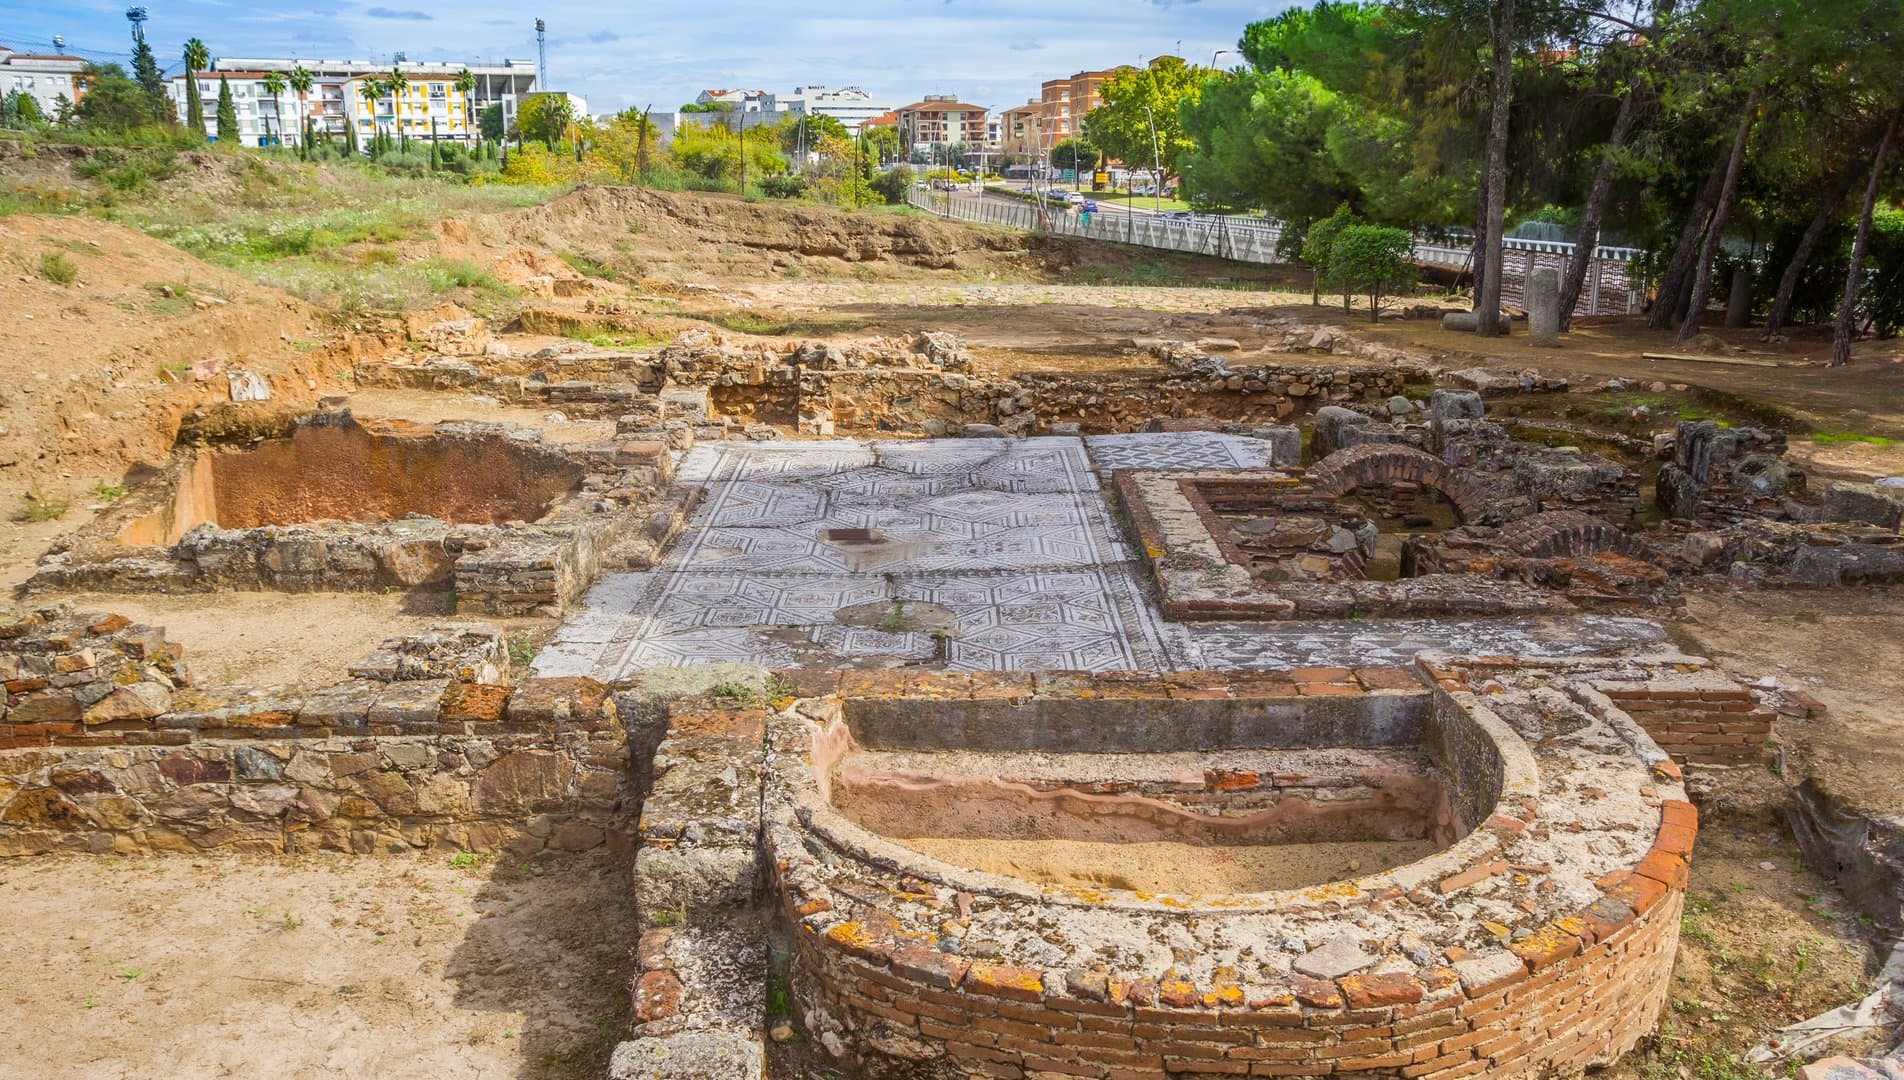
(1386, 463)
(1553, 533)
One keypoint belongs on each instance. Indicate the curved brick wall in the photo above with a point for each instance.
(1495, 957)
(1387, 463)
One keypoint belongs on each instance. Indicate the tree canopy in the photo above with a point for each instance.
(1716, 134)
(1139, 122)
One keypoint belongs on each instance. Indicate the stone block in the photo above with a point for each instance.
(1543, 307)
(575, 702)
(1868, 503)
(686, 878)
(690, 1055)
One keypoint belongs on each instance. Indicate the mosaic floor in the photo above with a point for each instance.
(1177, 450)
(1011, 537)
(1008, 539)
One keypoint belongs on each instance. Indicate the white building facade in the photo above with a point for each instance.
(335, 103)
(44, 77)
(850, 105)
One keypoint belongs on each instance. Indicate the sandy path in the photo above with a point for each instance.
(318, 967)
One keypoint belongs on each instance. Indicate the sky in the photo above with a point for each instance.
(988, 52)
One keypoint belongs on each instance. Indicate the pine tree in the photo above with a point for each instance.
(227, 113)
(145, 72)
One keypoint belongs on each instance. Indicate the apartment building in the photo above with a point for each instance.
(1056, 114)
(44, 77)
(944, 120)
(850, 105)
(335, 104)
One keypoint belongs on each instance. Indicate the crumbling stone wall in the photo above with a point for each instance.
(616, 498)
(1719, 476)
(1700, 717)
(107, 743)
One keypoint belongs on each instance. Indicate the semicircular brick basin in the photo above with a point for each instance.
(1537, 926)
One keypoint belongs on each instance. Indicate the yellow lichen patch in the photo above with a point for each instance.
(850, 934)
(1335, 890)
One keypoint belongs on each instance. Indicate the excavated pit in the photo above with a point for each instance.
(343, 471)
(1236, 821)
(1183, 797)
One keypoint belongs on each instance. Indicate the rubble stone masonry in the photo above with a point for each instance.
(108, 744)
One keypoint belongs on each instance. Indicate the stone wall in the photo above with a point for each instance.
(1581, 993)
(108, 744)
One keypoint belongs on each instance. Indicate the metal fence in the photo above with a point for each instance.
(1609, 289)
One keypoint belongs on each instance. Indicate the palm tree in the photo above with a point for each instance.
(466, 85)
(370, 90)
(196, 57)
(274, 85)
(301, 82)
(395, 85)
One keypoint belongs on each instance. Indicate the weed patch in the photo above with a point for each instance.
(57, 268)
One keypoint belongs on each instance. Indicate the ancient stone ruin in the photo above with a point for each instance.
(1234, 718)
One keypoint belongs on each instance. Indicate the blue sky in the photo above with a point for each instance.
(989, 52)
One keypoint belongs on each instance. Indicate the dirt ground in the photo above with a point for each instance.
(1165, 866)
(1764, 942)
(336, 965)
(309, 639)
(95, 374)
(1845, 647)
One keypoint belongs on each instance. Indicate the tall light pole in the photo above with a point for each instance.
(542, 52)
(1218, 53)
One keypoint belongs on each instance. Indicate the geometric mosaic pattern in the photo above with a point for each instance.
(1177, 450)
(1011, 536)
(1340, 643)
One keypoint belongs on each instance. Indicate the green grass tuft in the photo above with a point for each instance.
(57, 268)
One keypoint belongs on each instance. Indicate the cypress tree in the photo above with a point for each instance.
(227, 113)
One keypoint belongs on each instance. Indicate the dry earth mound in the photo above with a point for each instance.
(112, 337)
(723, 236)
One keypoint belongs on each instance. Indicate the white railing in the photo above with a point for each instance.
(1609, 288)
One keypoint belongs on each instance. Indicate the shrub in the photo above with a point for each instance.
(784, 187)
(893, 184)
(1317, 243)
(57, 268)
(1372, 259)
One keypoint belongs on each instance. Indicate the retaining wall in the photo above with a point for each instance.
(107, 744)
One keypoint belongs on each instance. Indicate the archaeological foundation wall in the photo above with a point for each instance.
(509, 524)
(109, 743)
(1509, 948)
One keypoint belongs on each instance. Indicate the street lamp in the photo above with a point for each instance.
(1218, 53)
